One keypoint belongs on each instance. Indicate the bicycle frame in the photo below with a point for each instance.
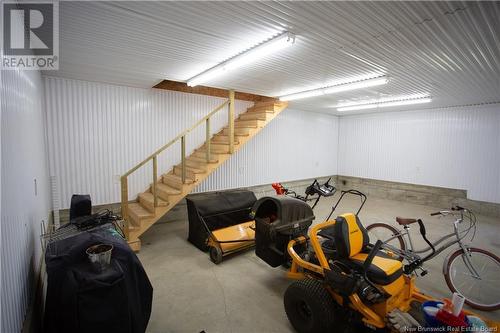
(411, 254)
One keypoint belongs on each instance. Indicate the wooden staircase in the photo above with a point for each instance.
(171, 187)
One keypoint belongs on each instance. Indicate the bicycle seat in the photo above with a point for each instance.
(405, 221)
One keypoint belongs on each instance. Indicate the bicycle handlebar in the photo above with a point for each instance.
(442, 213)
(447, 212)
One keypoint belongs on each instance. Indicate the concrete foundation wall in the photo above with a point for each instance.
(439, 197)
(179, 212)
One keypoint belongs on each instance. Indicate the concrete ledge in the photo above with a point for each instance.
(179, 212)
(420, 194)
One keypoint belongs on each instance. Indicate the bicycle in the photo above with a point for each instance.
(470, 271)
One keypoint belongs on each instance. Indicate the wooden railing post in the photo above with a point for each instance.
(231, 121)
(183, 158)
(155, 179)
(124, 194)
(207, 138)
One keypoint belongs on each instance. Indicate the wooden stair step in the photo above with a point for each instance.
(193, 169)
(267, 110)
(219, 138)
(255, 115)
(216, 148)
(217, 144)
(147, 201)
(132, 227)
(196, 159)
(201, 154)
(137, 213)
(260, 109)
(197, 165)
(248, 123)
(176, 181)
(242, 131)
(190, 172)
(240, 135)
(163, 191)
(269, 103)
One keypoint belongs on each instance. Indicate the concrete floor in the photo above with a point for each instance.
(243, 294)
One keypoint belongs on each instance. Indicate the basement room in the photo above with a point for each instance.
(250, 166)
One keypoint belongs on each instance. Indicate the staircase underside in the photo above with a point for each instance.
(170, 190)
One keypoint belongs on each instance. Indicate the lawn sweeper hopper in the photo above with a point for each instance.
(219, 222)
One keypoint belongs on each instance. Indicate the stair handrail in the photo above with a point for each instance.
(182, 137)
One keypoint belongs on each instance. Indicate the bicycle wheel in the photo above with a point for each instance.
(481, 292)
(388, 235)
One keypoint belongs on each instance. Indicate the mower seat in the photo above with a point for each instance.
(352, 243)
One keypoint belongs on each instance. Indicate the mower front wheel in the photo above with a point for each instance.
(309, 306)
(215, 254)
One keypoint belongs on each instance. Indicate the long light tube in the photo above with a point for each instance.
(260, 51)
(383, 103)
(377, 81)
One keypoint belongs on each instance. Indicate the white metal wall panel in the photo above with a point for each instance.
(455, 148)
(296, 145)
(96, 132)
(25, 191)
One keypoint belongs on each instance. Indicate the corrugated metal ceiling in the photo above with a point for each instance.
(448, 49)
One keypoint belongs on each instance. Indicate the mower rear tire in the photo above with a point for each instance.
(309, 306)
(215, 254)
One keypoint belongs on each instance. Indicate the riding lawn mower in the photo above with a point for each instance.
(341, 278)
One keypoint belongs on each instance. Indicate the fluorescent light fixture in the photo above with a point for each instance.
(376, 81)
(381, 103)
(253, 54)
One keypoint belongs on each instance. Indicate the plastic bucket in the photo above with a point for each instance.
(429, 320)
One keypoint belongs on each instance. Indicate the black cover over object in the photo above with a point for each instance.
(81, 301)
(219, 210)
(81, 205)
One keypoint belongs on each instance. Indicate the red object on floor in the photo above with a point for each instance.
(449, 319)
(280, 190)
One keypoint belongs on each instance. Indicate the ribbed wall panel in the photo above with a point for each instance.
(24, 203)
(455, 148)
(96, 132)
(296, 145)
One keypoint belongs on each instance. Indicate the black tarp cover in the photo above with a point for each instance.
(81, 301)
(219, 210)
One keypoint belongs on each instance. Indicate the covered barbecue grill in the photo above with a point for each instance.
(278, 219)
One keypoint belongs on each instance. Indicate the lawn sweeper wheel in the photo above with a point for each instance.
(216, 255)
